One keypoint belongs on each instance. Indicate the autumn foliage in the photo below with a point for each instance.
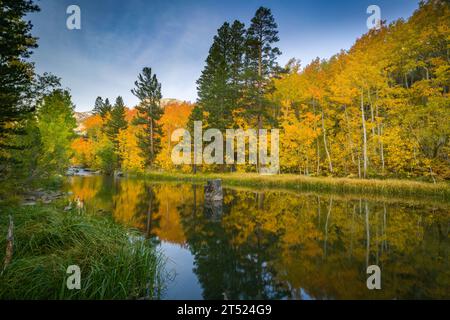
(379, 109)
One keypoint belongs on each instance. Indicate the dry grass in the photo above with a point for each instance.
(389, 187)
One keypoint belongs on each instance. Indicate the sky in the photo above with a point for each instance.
(118, 38)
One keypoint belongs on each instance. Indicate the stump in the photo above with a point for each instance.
(213, 190)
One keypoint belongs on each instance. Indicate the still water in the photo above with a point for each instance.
(282, 245)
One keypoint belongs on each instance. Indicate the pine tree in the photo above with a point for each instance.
(235, 61)
(101, 107)
(106, 108)
(220, 82)
(98, 106)
(148, 91)
(16, 74)
(117, 121)
(260, 62)
(212, 85)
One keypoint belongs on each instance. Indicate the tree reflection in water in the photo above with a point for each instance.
(281, 245)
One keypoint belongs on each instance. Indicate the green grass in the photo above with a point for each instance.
(388, 187)
(48, 240)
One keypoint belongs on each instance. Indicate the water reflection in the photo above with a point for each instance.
(279, 245)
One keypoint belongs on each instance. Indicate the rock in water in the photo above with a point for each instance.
(213, 190)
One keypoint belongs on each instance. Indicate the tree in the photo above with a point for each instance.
(261, 64)
(98, 106)
(176, 116)
(16, 75)
(106, 108)
(129, 153)
(219, 86)
(56, 124)
(148, 91)
(117, 120)
(102, 108)
(212, 84)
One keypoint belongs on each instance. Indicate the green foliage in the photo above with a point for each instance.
(56, 124)
(148, 91)
(98, 105)
(260, 63)
(117, 120)
(106, 156)
(219, 85)
(114, 263)
(102, 108)
(16, 76)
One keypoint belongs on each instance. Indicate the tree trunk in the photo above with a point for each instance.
(326, 145)
(364, 136)
(380, 140)
(349, 136)
(317, 139)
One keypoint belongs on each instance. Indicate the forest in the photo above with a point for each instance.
(379, 109)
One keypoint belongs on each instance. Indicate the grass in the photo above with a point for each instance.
(114, 262)
(388, 187)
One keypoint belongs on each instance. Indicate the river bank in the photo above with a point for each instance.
(115, 262)
(388, 187)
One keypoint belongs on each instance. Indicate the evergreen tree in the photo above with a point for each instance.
(117, 121)
(106, 108)
(236, 63)
(16, 74)
(115, 124)
(261, 63)
(101, 107)
(212, 84)
(98, 106)
(219, 85)
(148, 91)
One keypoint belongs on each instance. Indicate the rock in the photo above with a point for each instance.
(68, 208)
(213, 190)
(118, 174)
(29, 203)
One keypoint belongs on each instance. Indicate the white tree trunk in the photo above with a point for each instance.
(364, 136)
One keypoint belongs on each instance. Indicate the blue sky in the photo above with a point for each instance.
(118, 38)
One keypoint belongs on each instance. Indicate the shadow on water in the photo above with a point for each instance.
(279, 245)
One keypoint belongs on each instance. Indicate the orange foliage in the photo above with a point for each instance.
(83, 151)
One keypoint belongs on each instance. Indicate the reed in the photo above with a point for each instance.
(115, 263)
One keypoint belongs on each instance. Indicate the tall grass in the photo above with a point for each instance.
(114, 263)
(388, 187)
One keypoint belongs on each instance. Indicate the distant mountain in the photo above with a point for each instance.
(166, 101)
(80, 117)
